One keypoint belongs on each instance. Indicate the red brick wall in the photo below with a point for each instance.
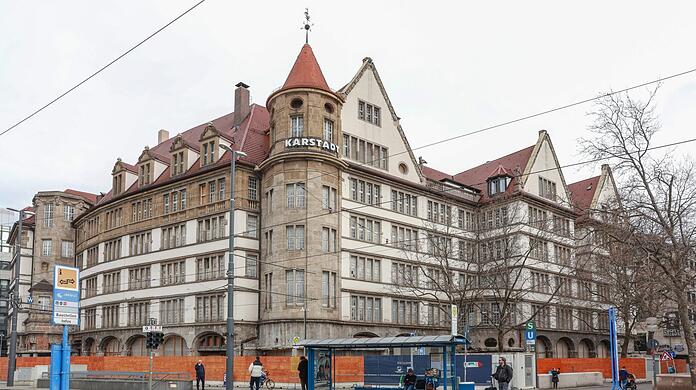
(679, 364)
(635, 366)
(283, 369)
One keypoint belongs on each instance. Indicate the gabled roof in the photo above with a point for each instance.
(88, 197)
(346, 89)
(434, 174)
(514, 163)
(582, 193)
(306, 73)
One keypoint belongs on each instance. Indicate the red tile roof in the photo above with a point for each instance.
(306, 72)
(477, 176)
(582, 192)
(250, 136)
(90, 198)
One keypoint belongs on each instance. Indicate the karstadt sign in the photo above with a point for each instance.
(307, 142)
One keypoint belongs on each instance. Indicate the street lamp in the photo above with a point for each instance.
(15, 301)
(234, 154)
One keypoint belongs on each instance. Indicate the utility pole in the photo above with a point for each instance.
(14, 301)
(229, 366)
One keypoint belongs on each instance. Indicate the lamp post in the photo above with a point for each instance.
(15, 301)
(230, 273)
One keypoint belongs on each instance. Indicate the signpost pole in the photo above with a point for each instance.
(655, 368)
(149, 380)
(65, 363)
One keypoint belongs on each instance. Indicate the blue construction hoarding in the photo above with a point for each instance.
(388, 369)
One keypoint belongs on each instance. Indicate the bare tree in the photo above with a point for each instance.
(490, 272)
(659, 195)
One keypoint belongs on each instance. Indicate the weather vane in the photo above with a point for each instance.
(307, 26)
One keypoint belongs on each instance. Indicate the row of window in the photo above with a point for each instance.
(67, 248)
(366, 152)
(209, 267)
(567, 318)
(209, 308)
(68, 214)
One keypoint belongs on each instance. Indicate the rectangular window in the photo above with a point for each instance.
(365, 152)
(252, 224)
(165, 200)
(251, 265)
(211, 193)
(112, 250)
(68, 213)
(138, 313)
(404, 312)
(547, 189)
(296, 237)
(439, 213)
(538, 249)
(268, 283)
(365, 268)
(47, 247)
(404, 274)
(365, 192)
(328, 240)
(90, 287)
(328, 130)
(210, 267)
(328, 289)
(369, 113)
(210, 308)
(90, 318)
(295, 195)
(361, 110)
(111, 282)
(110, 316)
(67, 249)
(404, 203)
(171, 311)
(142, 209)
(48, 215)
(139, 278)
(221, 189)
(174, 236)
(253, 192)
(140, 243)
(295, 282)
(296, 126)
(328, 198)
(269, 241)
(405, 238)
(173, 273)
(211, 228)
(365, 229)
(92, 256)
(365, 308)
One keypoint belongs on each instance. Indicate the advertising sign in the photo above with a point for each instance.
(66, 295)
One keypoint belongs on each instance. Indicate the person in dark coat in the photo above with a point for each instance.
(410, 380)
(503, 374)
(200, 375)
(302, 371)
(554, 377)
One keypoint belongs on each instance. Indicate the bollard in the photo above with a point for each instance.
(55, 367)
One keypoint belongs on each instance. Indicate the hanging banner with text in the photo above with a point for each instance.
(66, 296)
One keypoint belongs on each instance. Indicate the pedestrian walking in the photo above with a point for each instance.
(302, 371)
(255, 373)
(200, 375)
(503, 374)
(554, 377)
(623, 377)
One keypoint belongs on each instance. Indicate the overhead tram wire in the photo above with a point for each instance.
(103, 67)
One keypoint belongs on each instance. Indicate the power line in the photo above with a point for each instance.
(102, 68)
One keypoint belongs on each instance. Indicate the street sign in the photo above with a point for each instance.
(653, 344)
(152, 328)
(666, 355)
(295, 340)
(679, 347)
(530, 333)
(454, 314)
(66, 296)
(473, 364)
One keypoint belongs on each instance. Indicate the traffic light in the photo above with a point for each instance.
(154, 340)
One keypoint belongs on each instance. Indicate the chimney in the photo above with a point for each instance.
(241, 103)
(162, 136)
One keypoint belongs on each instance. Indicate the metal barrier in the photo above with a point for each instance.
(127, 375)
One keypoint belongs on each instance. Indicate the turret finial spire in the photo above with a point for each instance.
(307, 25)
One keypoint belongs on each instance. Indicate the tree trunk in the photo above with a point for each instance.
(626, 340)
(501, 336)
(688, 330)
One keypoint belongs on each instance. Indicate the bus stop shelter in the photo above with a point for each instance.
(321, 355)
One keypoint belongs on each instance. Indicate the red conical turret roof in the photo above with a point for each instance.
(306, 72)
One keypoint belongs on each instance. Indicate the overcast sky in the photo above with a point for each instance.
(448, 69)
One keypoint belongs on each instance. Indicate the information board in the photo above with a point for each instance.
(66, 295)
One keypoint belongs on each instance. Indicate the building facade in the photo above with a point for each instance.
(48, 239)
(340, 231)
(7, 219)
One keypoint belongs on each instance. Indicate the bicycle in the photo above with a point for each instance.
(267, 381)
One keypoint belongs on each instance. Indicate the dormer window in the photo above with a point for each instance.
(178, 163)
(145, 174)
(208, 153)
(118, 184)
(498, 185)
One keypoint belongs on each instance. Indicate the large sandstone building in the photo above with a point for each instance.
(340, 231)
